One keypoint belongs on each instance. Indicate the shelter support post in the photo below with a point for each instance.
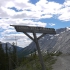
(34, 30)
(39, 52)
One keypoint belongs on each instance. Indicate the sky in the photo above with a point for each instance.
(42, 13)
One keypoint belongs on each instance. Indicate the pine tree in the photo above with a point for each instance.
(7, 57)
(10, 60)
(14, 56)
(2, 58)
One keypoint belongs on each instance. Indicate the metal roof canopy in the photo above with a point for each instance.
(34, 30)
(20, 28)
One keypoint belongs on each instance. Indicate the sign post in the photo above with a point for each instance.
(34, 30)
(39, 52)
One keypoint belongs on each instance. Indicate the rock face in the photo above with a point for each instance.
(58, 42)
(62, 63)
(9, 45)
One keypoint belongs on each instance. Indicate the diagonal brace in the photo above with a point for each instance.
(41, 36)
(28, 36)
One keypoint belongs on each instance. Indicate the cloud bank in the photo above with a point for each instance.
(23, 12)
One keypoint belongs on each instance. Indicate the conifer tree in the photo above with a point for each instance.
(7, 57)
(14, 55)
(2, 58)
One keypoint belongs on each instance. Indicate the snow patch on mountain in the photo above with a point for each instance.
(53, 43)
(51, 37)
(56, 35)
(67, 28)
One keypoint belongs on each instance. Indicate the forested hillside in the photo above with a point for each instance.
(32, 61)
(8, 57)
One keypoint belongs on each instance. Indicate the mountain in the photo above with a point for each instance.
(51, 43)
(9, 45)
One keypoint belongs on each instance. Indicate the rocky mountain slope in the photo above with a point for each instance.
(58, 42)
(9, 45)
(62, 63)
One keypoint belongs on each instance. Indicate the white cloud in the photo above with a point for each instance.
(10, 4)
(8, 32)
(23, 42)
(21, 1)
(67, 3)
(21, 39)
(41, 10)
(51, 24)
(64, 12)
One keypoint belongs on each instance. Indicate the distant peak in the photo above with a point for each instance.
(67, 28)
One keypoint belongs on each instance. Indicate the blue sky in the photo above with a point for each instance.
(42, 13)
(34, 1)
(58, 1)
(58, 23)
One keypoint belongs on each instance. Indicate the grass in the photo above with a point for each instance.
(32, 62)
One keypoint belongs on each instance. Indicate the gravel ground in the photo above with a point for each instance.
(62, 63)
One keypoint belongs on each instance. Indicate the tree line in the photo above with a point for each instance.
(8, 57)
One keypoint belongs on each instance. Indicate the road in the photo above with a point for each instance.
(62, 63)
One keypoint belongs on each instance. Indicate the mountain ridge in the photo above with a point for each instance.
(52, 43)
(10, 46)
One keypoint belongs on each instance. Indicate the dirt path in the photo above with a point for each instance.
(62, 63)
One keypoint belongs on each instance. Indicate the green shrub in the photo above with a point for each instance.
(33, 62)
